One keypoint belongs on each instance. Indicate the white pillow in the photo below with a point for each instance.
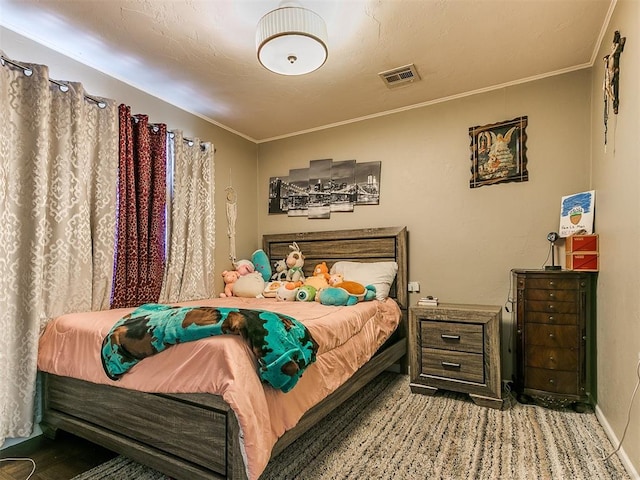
(379, 274)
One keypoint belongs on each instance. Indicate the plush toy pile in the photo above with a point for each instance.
(285, 281)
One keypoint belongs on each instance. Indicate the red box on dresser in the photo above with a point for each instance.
(586, 262)
(581, 243)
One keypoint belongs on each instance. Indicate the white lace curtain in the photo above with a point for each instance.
(190, 221)
(58, 174)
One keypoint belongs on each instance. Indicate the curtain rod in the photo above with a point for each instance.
(63, 86)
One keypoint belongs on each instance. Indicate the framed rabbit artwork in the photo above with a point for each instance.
(498, 153)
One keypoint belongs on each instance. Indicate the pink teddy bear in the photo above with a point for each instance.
(229, 277)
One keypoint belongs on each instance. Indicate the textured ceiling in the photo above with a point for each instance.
(201, 55)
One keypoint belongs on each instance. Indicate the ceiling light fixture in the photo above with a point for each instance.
(292, 40)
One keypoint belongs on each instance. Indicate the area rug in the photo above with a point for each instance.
(386, 432)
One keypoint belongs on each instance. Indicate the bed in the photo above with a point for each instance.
(198, 435)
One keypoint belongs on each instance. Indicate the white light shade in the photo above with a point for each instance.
(292, 40)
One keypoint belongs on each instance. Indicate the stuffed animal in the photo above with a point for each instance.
(287, 292)
(354, 288)
(316, 282)
(306, 293)
(279, 271)
(295, 262)
(340, 296)
(270, 289)
(250, 285)
(229, 277)
(261, 263)
(321, 270)
(243, 267)
(336, 296)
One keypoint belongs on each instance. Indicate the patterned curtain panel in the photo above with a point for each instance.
(57, 214)
(191, 221)
(140, 254)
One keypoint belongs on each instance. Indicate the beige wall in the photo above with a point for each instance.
(235, 157)
(616, 178)
(463, 242)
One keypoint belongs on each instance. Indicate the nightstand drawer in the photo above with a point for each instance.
(551, 318)
(551, 358)
(556, 381)
(563, 336)
(551, 295)
(462, 337)
(550, 306)
(449, 364)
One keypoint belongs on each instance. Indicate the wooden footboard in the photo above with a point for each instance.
(185, 436)
(196, 436)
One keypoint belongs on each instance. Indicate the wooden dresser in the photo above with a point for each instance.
(456, 347)
(555, 343)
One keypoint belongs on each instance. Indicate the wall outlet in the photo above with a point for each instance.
(414, 286)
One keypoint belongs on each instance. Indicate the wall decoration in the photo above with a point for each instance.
(278, 194)
(611, 78)
(325, 186)
(498, 153)
(576, 213)
(367, 183)
(319, 189)
(298, 192)
(343, 186)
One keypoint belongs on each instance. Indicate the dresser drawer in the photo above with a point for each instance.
(551, 295)
(464, 337)
(450, 364)
(551, 358)
(556, 381)
(547, 283)
(550, 306)
(559, 336)
(552, 318)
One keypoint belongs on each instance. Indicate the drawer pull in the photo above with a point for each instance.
(551, 307)
(551, 358)
(551, 284)
(551, 380)
(551, 294)
(446, 336)
(551, 335)
(551, 319)
(450, 364)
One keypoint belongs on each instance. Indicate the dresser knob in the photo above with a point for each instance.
(551, 319)
(551, 358)
(551, 380)
(551, 335)
(551, 307)
(551, 283)
(551, 294)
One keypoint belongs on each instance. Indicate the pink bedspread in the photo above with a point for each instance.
(224, 365)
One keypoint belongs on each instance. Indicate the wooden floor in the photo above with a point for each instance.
(59, 459)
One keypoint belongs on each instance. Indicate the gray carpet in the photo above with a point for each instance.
(386, 432)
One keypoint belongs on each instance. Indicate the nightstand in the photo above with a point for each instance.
(456, 347)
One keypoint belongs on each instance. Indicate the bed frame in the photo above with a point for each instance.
(195, 436)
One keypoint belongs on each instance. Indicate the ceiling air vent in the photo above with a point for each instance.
(400, 76)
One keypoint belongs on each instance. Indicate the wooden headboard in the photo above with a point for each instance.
(362, 245)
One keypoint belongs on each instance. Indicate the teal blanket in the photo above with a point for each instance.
(282, 345)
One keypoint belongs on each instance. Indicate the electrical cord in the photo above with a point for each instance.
(633, 395)
(16, 459)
